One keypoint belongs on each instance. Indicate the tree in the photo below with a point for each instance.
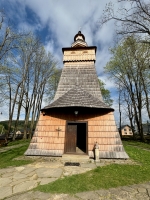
(105, 93)
(120, 118)
(7, 37)
(128, 109)
(8, 44)
(10, 91)
(52, 84)
(128, 67)
(133, 18)
(37, 67)
(25, 71)
(25, 74)
(9, 83)
(44, 69)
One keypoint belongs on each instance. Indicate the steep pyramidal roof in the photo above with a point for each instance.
(82, 75)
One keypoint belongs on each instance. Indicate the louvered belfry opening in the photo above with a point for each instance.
(59, 129)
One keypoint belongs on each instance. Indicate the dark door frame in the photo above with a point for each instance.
(76, 122)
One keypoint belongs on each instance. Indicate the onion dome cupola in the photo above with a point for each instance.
(79, 40)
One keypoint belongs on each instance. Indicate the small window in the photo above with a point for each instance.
(129, 129)
(125, 132)
(124, 129)
(130, 132)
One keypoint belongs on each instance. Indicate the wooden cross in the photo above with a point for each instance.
(58, 130)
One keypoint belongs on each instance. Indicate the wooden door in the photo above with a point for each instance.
(71, 138)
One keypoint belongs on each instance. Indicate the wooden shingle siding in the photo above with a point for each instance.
(51, 122)
(101, 123)
(101, 128)
(47, 128)
(49, 134)
(103, 134)
(104, 141)
(50, 140)
(42, 152)
(108, 147)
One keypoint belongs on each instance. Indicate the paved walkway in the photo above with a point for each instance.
(16, 183)
(134, 192)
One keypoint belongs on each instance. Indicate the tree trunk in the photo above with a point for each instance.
(120, 131)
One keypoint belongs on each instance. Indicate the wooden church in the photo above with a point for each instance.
(77, 118)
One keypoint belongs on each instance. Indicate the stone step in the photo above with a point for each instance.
(75, 158)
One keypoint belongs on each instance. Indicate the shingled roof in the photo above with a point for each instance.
(83, 75)
(77, 97)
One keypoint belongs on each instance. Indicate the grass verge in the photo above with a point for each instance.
(110, 176)
(7, 158)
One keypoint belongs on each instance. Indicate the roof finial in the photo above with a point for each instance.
(79, 32)
(79, 40)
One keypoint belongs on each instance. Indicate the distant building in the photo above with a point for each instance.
(126, 130)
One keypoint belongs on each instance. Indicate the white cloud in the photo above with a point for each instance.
(109, 83)
(102, 57)
(50, 46)
(26, 27)
(64, 19)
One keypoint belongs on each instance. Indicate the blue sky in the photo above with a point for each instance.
(57, 21)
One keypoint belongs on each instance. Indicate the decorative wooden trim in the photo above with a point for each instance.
(79, 48)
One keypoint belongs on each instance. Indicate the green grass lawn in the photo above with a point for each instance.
(7, 158)
(137, 143)
(110, 176)
(16, 142)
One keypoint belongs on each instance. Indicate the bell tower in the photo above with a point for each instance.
(79, 68)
